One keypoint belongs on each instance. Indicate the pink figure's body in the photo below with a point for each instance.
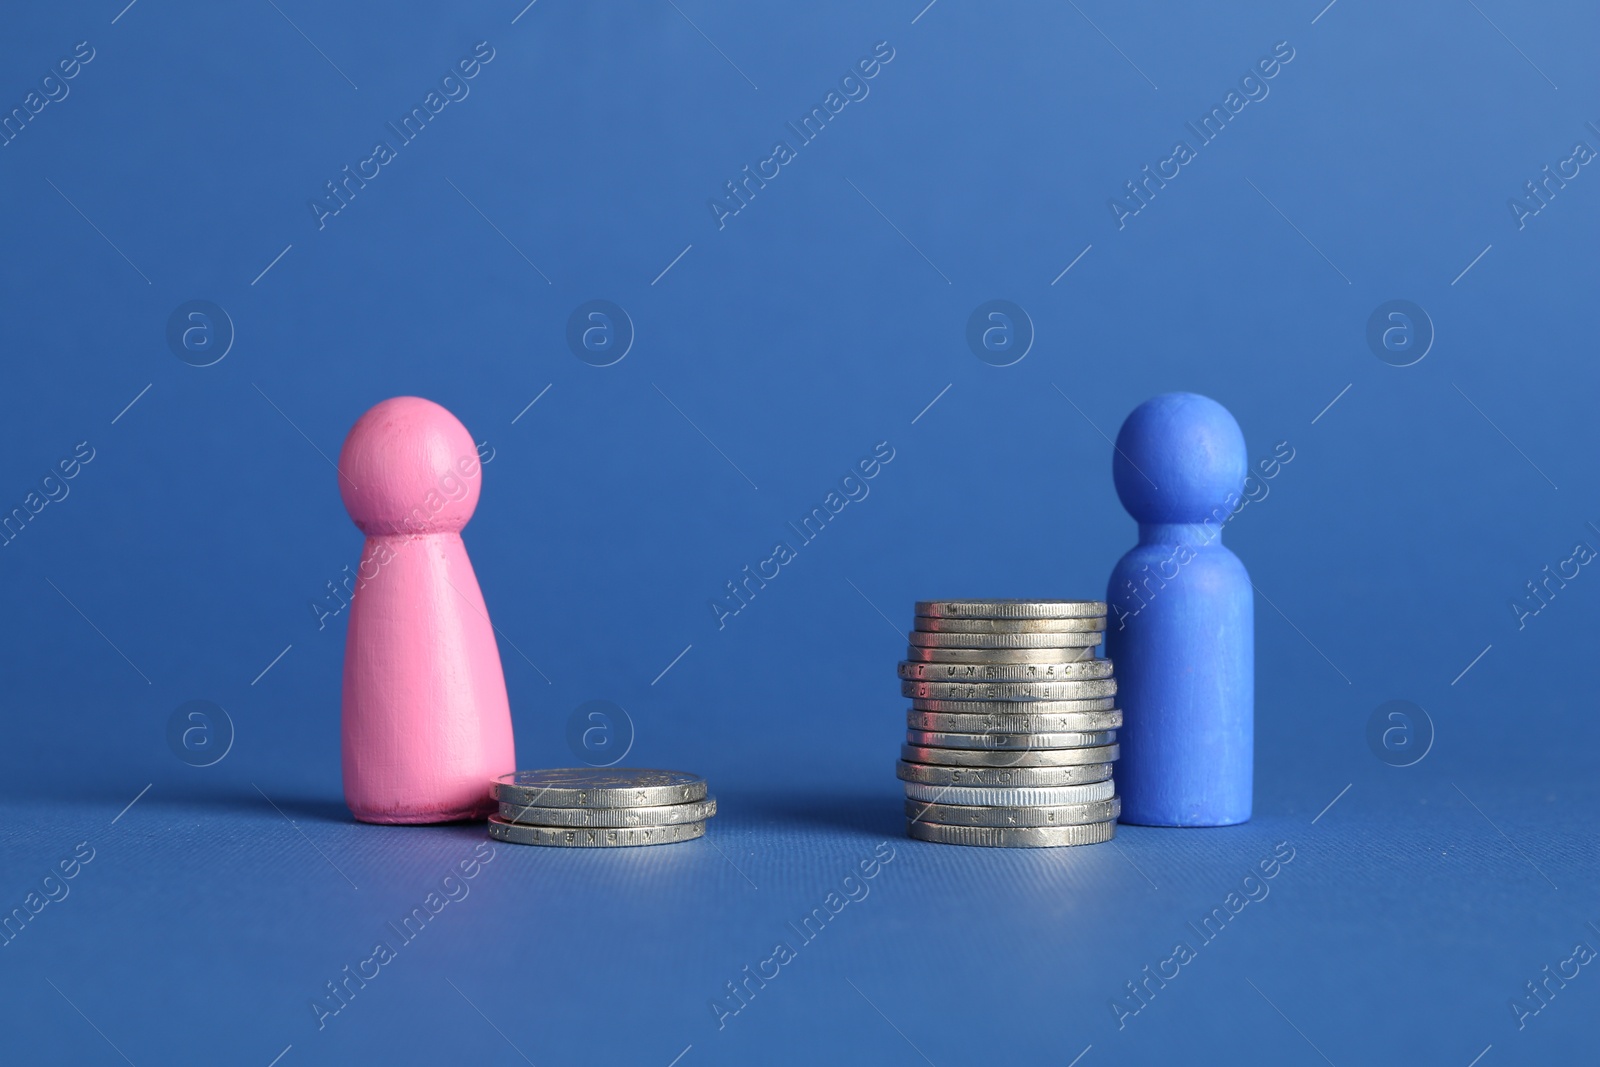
(426, 722)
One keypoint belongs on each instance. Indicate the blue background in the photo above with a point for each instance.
(771, 355)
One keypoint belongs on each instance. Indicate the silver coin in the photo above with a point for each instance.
(1005, 672)
(1013, 707)
(593, 837)
(986, 656)
(1010, 796)
(1011, 742)
(992, 691)
(1013, 836)
(603, 787)
(1035, 815)
(1013, 627)
(1039, 757)
(655, 815)
(1081, 639)
(1011, 609)
(1013, 722)
(1009, 777)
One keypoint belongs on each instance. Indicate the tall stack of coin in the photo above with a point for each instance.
(1012, 728)
(610, 807)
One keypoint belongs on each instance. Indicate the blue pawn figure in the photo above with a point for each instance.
(1181, 630)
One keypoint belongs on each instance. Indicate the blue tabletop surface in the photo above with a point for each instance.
(208, 899)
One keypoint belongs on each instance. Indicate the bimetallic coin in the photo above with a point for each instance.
(598, 787)
(1035, 815)
(1010, 777)
(1014, 722)
(1000, 656)
(593, 837)
(655, 815)
(1013, 836)
(1042, 757)
(1011, 609)
(1009, 796)
(1005, 672)
(989, 691)
(1012, 707)
(1088, 639)
(1018, 741)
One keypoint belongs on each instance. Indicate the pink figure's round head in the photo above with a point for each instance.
(408, 466)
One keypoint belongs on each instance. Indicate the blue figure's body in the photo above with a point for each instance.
(1181, 626)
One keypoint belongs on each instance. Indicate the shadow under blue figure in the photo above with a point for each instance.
(1182, 619)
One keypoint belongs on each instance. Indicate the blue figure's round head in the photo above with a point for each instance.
(1178, 457)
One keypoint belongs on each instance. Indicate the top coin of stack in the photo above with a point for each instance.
(588, 807)
(1012, 728)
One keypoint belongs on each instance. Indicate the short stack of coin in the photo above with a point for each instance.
(588, 807)
(1012, 729)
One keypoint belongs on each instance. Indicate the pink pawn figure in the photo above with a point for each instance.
(426, 723)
